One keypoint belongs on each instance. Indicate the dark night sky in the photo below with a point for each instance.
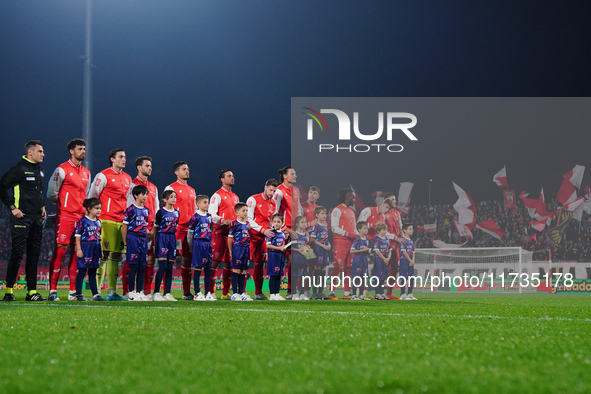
(210, 82)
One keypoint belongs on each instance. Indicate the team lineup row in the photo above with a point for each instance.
(258, 231)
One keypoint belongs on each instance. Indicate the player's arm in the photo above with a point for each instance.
(410, 261)
(214, 205)
(387, 260)
(230, 244)
(55, 183)
(98, 185)
(156, 201)
(78, 236)
(124, 228)
(364, 215)
(251, 205)
(334, 223)
(8, 181)
(273, 247)
(191, 232)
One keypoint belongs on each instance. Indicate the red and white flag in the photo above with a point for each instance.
(465, 208)
(541, 210)
(430, 228)
(587, 205)
(463, 230)
(571, 182)
(530, 203)
(491, 228)
(500, 178)
(576, 207)
(539, 225)
(403, 200)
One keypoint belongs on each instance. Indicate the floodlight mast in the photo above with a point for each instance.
(87, 93)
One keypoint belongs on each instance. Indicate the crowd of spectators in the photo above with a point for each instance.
(575, 244)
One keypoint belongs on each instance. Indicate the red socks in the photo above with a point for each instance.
(186, 276)
(55, 266)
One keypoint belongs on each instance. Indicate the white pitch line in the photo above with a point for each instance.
(351, 313)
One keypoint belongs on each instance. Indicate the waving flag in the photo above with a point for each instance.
(463, 230)
(576, 207)
(359, 205)
(378, 197)
(500, 178)
(465, 208)
(403, 200)
(571, 182)
(491, 228)
(530, 203)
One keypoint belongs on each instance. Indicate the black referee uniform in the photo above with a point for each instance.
(25, 180)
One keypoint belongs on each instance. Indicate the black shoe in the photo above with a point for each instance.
(35, 297)
(188, 297)
(9, 297)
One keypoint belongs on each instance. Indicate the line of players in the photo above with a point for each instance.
(70, 185)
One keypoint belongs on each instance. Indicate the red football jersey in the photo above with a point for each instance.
(343, 222)
(185, 202)
(260, 211)
(68, 187)
(111, 188)
(221, 206)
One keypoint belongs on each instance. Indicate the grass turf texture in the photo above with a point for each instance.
(438, 344)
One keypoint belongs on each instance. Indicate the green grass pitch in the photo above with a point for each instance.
(438, 344)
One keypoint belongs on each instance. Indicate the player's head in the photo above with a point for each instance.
(117, 158)
(144, 165)
(277, 221)
(407, 229)
(77, 149)
(34, 151)
(140, 193)
(362, 228)
(320, 213)
(386, 206)
(391, 197)
(92, 206)
(381, 229)
(270, 187)
(300, 223)
(241, 210)
(181, 170)
(287, 174)
(346, 196)
(169, 197)
(313, 194)
(227, 177)
(202, 202)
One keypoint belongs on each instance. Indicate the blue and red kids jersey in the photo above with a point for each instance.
(201, 225)
(239, 231)
(279, 240)
(320, 233)
(409, 247)
(167, 221)
(382, 245)
(359, 244)
(303, 240)
(88, 230)
(136, 219)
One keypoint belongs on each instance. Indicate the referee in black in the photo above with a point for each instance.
(21, 190)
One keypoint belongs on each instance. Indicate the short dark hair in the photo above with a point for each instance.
(140, 160)
(277, 215)
(314, 189)
(76, 142)
(282, 172)
(32, 144)
(406, 225)
(167, 194)
(178, 165)
(388, 195)
(239, 206)
(139, 189)
(201, 197)
(91, 202)
(389, 203)
(360, 224)
(319, 209)
(223, 173)
(113, 153)
(272, 182)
